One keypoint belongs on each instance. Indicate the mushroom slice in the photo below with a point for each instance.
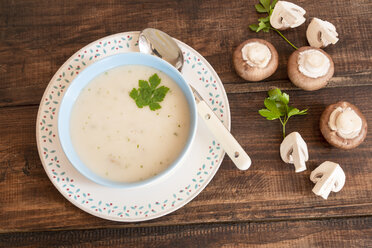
(287, 15)
(293, 150)
(310, 68)
(327, 177)
(321, 33)
(343, 125)
(255, 59)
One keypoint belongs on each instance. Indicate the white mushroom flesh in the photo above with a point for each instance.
(293, 150)
(287, 15)
(345, 122)
(321, 33)
(327, 177)
(256, 54)
(313, 63)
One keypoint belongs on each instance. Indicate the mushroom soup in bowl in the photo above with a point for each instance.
(127, 120)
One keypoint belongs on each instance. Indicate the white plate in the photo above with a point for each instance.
(144, 203)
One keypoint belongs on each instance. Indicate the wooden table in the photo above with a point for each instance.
(269, 205)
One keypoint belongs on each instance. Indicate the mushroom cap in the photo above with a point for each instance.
(305, 82)
(332, 137)
(250, 73)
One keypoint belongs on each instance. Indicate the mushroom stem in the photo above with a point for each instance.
(276, 30)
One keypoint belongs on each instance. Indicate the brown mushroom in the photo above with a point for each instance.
(343, 125)
(310, 68)
(255, 59)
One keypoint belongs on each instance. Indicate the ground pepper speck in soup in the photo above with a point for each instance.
(121, 142)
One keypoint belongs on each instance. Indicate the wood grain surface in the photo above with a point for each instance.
(37, 40)
(348, 233)
(268, 190)
(267, 206)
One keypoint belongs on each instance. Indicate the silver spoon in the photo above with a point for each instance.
(156, 42)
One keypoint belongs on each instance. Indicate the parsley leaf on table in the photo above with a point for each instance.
(277, 108)
(148, 93)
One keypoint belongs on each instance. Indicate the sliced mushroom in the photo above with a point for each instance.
(310, 68)
(287, 15)
(293, 150)
(327, 177)
(255, 59)
(343, 125)
(321, 33)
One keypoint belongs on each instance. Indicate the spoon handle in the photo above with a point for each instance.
(224, 137)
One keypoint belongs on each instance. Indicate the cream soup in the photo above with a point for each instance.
(121, 142)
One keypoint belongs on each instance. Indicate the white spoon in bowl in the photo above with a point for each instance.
(156, 42)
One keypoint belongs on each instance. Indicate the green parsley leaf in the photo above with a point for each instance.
(272, 5)
(148, 94)
(264, 19)
(274, 93)
(145, 95)
(293, 111)
(154, 106)
(160, 93)
(271, 106)
(261, 26)
(260, 8)
(139, 103)
(277, 107)
(266, 4)
(154, 81)
(284, 98)
(302, 112)
(134, 93)
(281, 99)
(143, 84)
(268, 114)
(253, 27)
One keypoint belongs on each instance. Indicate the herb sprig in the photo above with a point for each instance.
(277, 108)
(148, 93)
(266, 6)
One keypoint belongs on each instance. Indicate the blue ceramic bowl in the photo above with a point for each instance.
(85, 77)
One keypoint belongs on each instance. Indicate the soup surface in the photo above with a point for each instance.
(121, 142)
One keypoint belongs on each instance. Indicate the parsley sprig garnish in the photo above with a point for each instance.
(264, 22)
(148, 93)
(277, 108)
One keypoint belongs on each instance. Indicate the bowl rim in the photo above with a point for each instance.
(96, 69)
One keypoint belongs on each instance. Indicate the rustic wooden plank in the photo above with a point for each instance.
(269, 190)
(36, 37)
(26, 95)
(353, 232)
(355, 79)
